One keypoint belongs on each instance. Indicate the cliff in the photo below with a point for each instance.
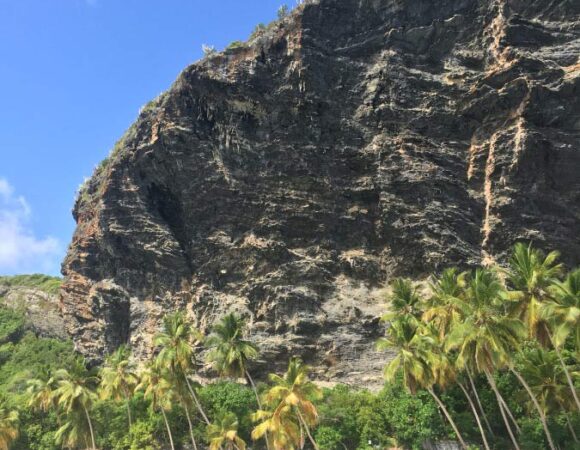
(36, 296)
(290, 178)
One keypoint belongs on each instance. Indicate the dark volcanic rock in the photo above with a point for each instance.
(353, 141)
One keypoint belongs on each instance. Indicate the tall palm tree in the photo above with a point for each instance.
(9, 422)
(223, 435)
(442, 307)
(119, 379)
(181, 391)
(73, 432)
(442, 310)
(404, 300)
(289, 403)
(530, 273)
(230, 352)
(547, 381)
(177, 351)
(282, 427)
(75, 393)
(562, 311)
(444, 368)
(486, 336)
(155, 383)
(415, 360)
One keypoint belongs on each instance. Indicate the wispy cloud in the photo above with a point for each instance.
(92, 2)
(20, 250)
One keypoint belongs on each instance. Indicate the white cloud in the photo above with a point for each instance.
(20, 250)
(92, 2)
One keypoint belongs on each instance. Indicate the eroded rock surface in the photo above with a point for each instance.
(355, 140)
(41, 309)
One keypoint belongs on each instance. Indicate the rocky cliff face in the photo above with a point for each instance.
(41, 309)
(353, 141)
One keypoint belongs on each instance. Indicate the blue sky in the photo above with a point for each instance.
(73, 75)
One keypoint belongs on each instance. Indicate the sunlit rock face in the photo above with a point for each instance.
(353, 141)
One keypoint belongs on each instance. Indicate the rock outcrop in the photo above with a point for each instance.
(41, 309)
(353, 141)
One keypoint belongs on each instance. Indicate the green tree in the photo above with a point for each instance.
(223, 435)
(9, 422)
(530, 273)
(562, 311)
(75, 395)
(155, 384)
(486, 336)
(415, 360)
(119, 379)
(290, 408)
(230, 352)
(41, 391)
(177, 351)
(404, 300)
(547, 381)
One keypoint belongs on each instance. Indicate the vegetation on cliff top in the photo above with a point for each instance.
(45, 283)
(488, 358)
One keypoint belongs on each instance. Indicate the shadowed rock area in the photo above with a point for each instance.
(353, 141)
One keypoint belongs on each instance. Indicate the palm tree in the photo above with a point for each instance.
(75, 393)
(486, 336)
(72, 432)
(289, 403)
(416, 361)
(181, 391)
(404, 300)
(282, 427)
(177, 351)
(41, 391)
(9, 422)
(441, 308)
(156, 386)
(230, 352)
(223, 435)
(547, 381)
(530, 273)
(119, 379)
(562, 310)
(444, 368)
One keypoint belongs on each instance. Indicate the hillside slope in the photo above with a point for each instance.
(356, 140)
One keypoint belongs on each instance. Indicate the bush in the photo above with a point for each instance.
(234, 45)
(283, 12)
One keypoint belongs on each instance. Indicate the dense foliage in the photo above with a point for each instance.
(487, 358)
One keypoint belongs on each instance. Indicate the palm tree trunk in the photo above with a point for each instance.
(251, 381)
(473, 408)
(566, 372)
(190, 426)
(129, 413)
(90, 428)
(197, 403)
(314, 444)
(571, 428)
(168, 429)
(474, 389)
(501, 409)
(448, 416)
(537, 405)
(506, 408)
